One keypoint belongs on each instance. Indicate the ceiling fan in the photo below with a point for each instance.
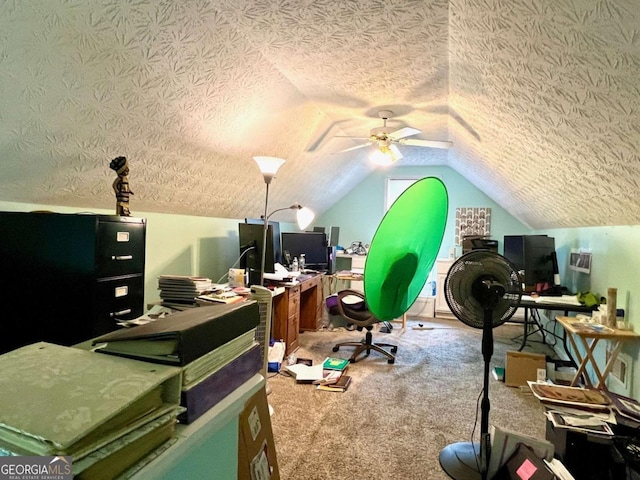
(386, 140)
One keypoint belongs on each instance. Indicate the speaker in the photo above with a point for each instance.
(331, 260)
(334, 235)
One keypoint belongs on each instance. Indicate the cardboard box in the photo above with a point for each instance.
(256, 448)
(521, 367)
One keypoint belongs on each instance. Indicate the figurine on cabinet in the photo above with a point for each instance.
(121, 185)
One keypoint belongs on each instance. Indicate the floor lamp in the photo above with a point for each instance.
(268, 167)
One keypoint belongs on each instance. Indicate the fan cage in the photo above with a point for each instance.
(479, 265)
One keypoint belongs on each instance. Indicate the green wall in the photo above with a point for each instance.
(615, 263)
(361, 210)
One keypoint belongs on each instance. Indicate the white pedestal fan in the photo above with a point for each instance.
(483, 290)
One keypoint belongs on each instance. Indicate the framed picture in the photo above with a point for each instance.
(472, 221)
(580, 261)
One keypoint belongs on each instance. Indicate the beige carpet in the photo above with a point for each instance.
(393, 420)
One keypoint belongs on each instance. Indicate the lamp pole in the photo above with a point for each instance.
(264, 236)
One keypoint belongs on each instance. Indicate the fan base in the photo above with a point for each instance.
(461, 461)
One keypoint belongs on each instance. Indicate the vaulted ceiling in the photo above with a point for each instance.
(540, 99)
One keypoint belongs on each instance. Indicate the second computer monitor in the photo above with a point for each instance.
(312, 244)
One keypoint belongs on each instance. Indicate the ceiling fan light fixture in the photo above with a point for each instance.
(385, 155)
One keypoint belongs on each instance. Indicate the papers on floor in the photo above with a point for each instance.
(305, 373)
(328, 375)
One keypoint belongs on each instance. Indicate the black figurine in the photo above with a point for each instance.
(121, 185)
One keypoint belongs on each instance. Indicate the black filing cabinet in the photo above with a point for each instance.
(66, 278)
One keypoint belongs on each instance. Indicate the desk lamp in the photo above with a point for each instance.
(304, 216)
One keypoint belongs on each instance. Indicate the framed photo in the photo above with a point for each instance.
(580, 261)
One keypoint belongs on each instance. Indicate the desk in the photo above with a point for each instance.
(588, 337)
(539, 305)
(299, 308)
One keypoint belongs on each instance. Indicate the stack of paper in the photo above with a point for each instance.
(582, 398)
(181, 289)
(64, 401)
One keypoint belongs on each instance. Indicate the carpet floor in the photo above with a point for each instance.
(394, 419)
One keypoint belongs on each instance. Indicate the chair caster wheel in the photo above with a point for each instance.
(394, 350)
(391, 361)
(335, 349)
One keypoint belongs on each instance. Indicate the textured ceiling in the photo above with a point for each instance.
(541, 100)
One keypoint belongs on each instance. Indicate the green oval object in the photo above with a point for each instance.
(405, 247)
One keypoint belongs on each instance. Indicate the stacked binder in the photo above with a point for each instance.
(179, 290)
(214, 346)
(104, 412)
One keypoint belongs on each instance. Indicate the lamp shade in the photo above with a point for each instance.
(268, 166)
(304, 217)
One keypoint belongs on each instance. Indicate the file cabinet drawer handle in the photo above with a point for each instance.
(121, 312)
(122, 257)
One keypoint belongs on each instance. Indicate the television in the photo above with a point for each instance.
(275, 229)
(312, 244)
(250, 238)
(535, 255)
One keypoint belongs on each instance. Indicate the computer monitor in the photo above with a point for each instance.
(312, 244)
(250, 238)
(535, 255)
(275, 229)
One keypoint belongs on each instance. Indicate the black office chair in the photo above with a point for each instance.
(358, 314)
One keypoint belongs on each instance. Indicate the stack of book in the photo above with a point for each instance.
(214, 346)
(181, 290)
(328, 375)
(334, 379)
(104, 414)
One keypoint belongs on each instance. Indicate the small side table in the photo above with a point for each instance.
(588, 335)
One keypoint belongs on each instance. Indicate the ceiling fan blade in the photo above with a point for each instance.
(404, 132)
(427, 143)
(396, 151)
(353, 148)
(321, 138)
